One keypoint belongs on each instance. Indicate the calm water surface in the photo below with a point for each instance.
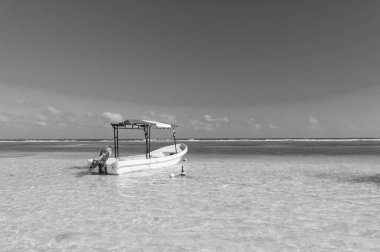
(237, 196)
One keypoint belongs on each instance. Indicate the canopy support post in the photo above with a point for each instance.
(149, 141)
(116, 140)
(175, 143)
(146, 131)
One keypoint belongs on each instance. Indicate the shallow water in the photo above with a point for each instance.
(235, 197)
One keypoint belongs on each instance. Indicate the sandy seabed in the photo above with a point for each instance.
(49, 202)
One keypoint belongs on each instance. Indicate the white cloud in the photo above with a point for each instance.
(54, 110)
(272, 126)
(225, 119)
(168, 118)
(199, 125)
(256, 126)
(55, 117)
(314, 123)
(209, 123)
(113, 117)
(209, 118)
(253, 124)
(41, 117)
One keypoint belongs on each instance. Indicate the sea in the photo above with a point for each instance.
(237, 195)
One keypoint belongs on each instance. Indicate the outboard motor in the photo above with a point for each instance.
(100, 162)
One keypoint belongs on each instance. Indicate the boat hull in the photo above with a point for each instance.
(163, 157)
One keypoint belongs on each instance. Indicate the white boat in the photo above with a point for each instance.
(162, 157)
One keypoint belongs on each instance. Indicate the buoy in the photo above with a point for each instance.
(172, 175)
(184, 160)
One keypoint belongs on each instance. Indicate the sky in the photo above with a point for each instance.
(217, 69)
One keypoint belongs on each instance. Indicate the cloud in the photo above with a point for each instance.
(41, 117)
(256, 126)
(54, 117)
(39, 123)
(17, 119)
(91, 121)
(209, 118)
(253, 124)
(208, 123)
(199, 125)
(314, 123)
(54, 110)
(272, 126)
(113, 117)
(168, 118)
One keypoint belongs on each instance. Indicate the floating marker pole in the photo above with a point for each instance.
(183, 172)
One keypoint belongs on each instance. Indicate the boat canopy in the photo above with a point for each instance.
(140, 124)
(143, 124)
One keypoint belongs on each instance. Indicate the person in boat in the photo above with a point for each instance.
(100, 162)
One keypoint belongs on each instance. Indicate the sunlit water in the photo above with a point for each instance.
(235, 197)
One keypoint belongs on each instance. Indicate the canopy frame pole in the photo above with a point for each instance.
(116, 140)
(149, 141)
(146, 129)
(175, 143)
